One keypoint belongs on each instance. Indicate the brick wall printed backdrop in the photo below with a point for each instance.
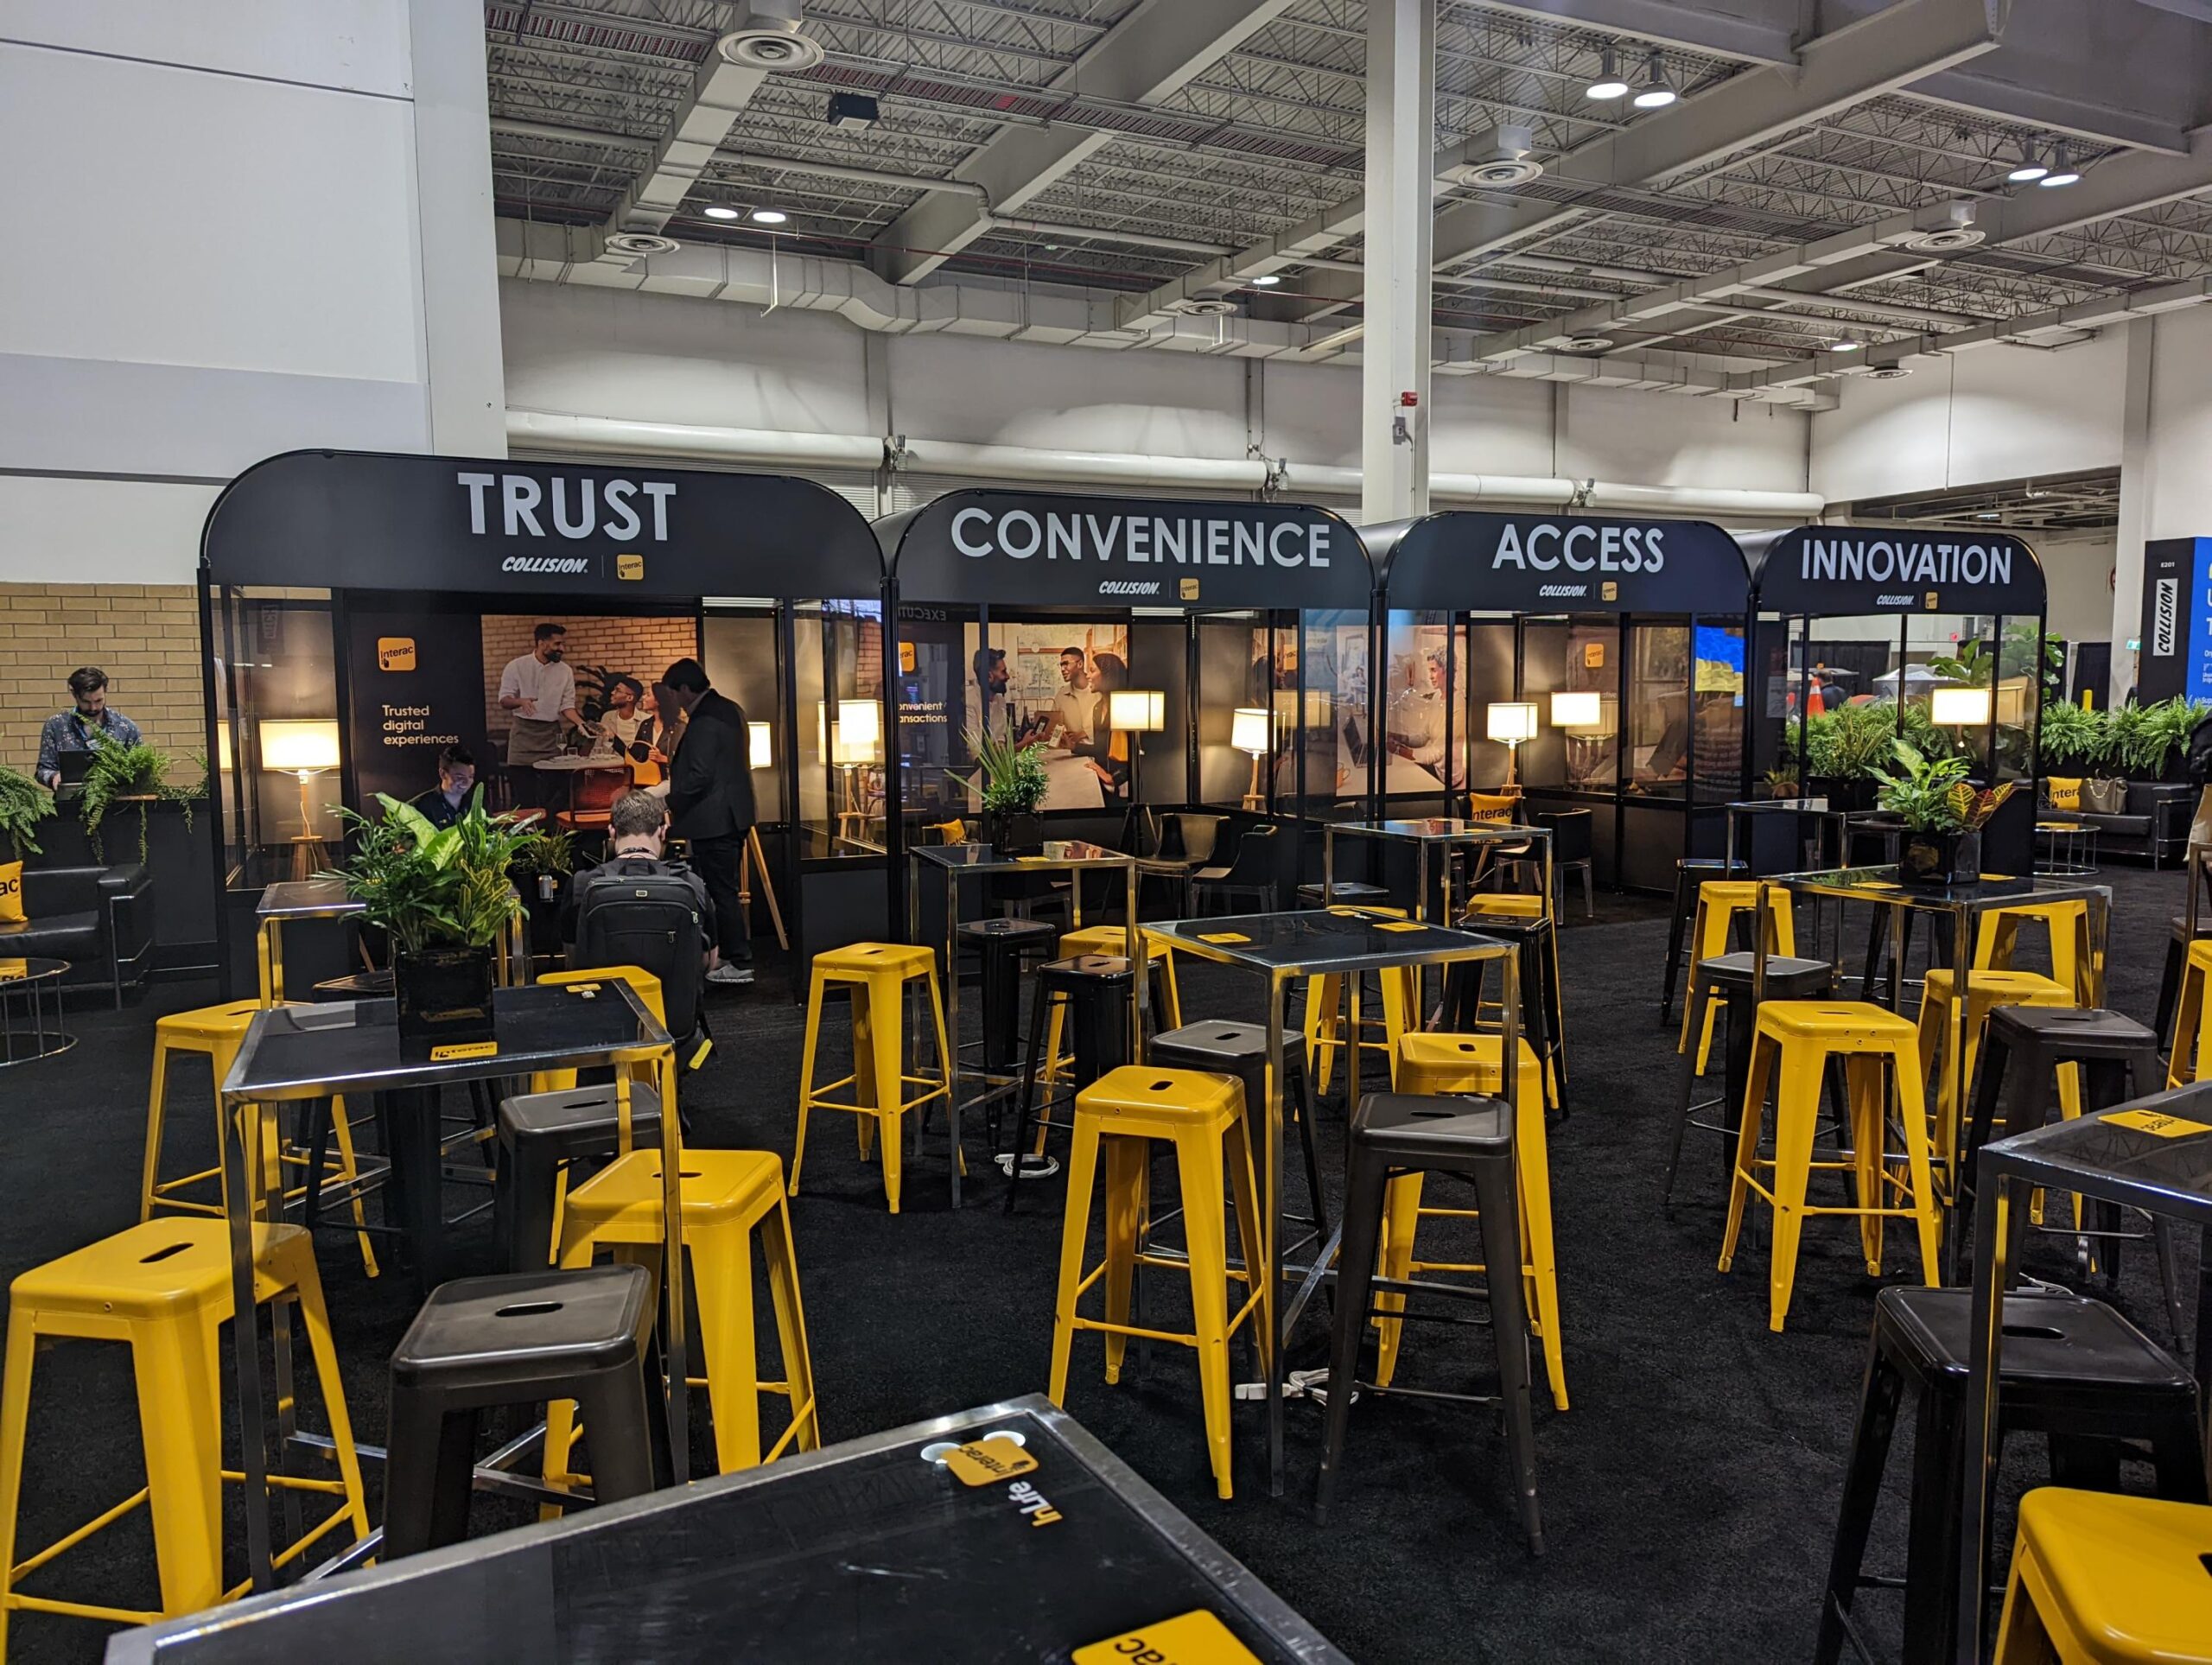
(643, 647)
(146, 637)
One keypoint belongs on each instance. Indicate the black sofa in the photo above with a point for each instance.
(99, 919)
(2154, 825)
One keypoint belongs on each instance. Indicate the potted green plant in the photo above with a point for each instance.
(444, 897)
(136, 775)
(1009, 779)
(23, 804)
(1781, 782)
(2150, 742)
(2075, 737)
(1943, 815)
(541, 871)
(1844, 748)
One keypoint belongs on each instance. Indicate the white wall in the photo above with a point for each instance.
(1995, 413)
(228, 210)
(615, 353)
(2078, 573)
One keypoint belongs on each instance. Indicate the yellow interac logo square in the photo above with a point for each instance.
(632, 566)
(2158, 1123)
(395, 653)
(1193, 1639)
(986, 1461)
(1608, 590)
(1932, 600)
(907, 662)
(1187, 589)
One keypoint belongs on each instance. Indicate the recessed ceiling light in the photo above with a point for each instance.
(720, 212)
(1266, 280)
(1609, 84)
(1848, 345)
(2063, 171)
(2030, 169)
(1989, 514)
(1657, 92)
(769, 216)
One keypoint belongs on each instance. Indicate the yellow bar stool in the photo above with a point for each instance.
(163, 1288)
(1113, 940)
(1794, 1041)
(216, 1033)
(2192, 1020)
(1719, 902)
(728, 1197)
(2099, 1578)
(662, 1079)
(1202, 1116)
(1435, 1063)
(875, 974)
(1333, 1012)
(2066, 927)
(1939, 1027)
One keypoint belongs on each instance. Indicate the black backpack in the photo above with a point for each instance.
(635, 910)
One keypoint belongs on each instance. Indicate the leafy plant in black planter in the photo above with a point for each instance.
(132, 774)
(2075, 736)
(1010, 780)
(444, 896)
(1845, 749)
(1943, 815)
(23, 804)
(541, 872)
(2150, 741)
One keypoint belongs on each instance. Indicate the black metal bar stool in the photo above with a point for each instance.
(1094, 990)
(479, 1343)
(1241, 1050)
(540, 1135)
(2118, 1059)
(2073, 1369)
(1003, 947)
(1690, 872)
(1543, 1019)
(1787, 979)
(1400, 1133)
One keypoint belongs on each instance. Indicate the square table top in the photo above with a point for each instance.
(2154, 1152)
(1315, 942)
(307, 1051)
(1446, 829)
(1789, 805)
(1879, 884)
(867, 1550)
(984, 858)
(307, 898)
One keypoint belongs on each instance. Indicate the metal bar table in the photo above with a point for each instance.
(1321, 942)
(2155, 1154)
(1815, 809)
(957, 861)
(1443, 833)
(283, 902)
(878, 1548)
(293, 1052)
(1962, 904)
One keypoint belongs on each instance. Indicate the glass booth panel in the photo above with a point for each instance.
(1570, 670)
(276, 764)
(1661, 726)
(1332, 678)
(1424, 732)
(739, 650)
(1236, 674)
(1717, 712)
(837, 663)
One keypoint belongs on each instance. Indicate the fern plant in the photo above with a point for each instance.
(2144, 736)
(2074, 734)
(134, 774)
(23, 804)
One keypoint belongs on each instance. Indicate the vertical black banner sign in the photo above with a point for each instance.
(418, 683)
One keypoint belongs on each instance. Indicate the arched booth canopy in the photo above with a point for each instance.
(1862, 633)
(1613, 648)
(360, 610)
(1023, 613)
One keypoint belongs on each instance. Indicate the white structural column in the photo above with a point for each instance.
(2165, 489)
(458, 249)
(1394, 368)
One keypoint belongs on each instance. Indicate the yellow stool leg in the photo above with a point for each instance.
(1244, 1193)
(1711, 939)
(14, 1423)
(179, 1382)
(886, 1044)
(2180, 1067)
(1401, 1217)
(1532, 1163)
(722, 1265)
(349, 1169)
(1323, 995)
(1796, 1109)
(1199, 1162)
(791, 1325)
(1126, 1162)
(157, 1102)
(1912, 1111)
(1075, 1227)
(295, 1264)
(1764, 1049)
(818, 986)
(1863, 1079)
(867, 1089)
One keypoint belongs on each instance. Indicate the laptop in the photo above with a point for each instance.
(74, 766)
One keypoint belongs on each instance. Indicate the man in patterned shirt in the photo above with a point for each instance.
(87, 728)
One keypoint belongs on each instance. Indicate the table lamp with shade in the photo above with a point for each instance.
(1958, 707)
(856, 741)
(757, 739)
(1581, 715)
(759, 756)
(1512, 722)
(1251, 730)
(305, 746)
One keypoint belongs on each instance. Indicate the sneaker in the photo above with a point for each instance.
(726, 973)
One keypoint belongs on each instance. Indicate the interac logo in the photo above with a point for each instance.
(630, 566)
(1608, 590)
(1187, 589)
(1931, 599)
(395, 653)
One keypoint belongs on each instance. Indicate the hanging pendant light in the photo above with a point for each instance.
(1609, 85)
(1657, 92)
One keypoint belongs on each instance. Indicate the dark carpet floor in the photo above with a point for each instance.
(1688, 1495)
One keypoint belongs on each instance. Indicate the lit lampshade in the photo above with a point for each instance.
(1251, 730)
(1578, 710)
(223, 763)
(758, 733)
(299, 746)
(1512, 722)
(1958, 707)
(859, 732)
(1136, 710)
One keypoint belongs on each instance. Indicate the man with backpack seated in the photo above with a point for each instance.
(639, 908)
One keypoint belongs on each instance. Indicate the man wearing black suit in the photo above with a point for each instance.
(710, 801)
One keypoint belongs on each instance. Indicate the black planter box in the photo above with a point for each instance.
(1930, 858)
(1014, 834)
(444, 995)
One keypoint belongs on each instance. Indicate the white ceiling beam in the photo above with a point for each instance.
(1149, 56)
(1749, 31)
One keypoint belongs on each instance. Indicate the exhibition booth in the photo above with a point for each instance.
(1582, 663)
(363, 612)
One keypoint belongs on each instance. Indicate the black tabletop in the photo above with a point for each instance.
(1317, 941)
(985, 858)
(304, 1051)
(866, 1551)
(1446, 829)
(2155, 1153)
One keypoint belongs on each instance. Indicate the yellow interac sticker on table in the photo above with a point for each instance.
(2167, 1126)
(1194, 1638)
(1400, 925)
(1880, 883)
(1224, 936)
(988, 1461)
(453, 1051)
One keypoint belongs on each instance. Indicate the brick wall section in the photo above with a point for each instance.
(642, 647)
(146, 637)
